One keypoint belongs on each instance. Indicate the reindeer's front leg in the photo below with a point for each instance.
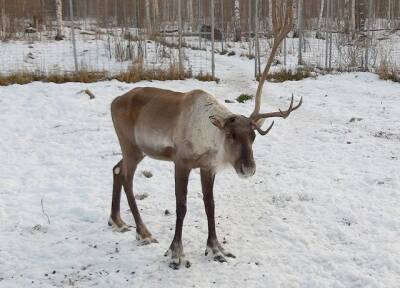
(176, 248)
(213, 246)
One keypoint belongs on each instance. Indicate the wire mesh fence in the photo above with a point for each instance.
(114, 35)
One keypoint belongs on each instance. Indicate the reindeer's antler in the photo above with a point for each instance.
(282, 22)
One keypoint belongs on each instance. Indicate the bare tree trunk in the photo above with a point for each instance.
(319, 34)
(148, 17)
(3, 19)
(346, 16)
(353, 15)
(295, 19)
(190, 12)
(321, 12)
(236, 21)
(270, 15)
(59, 35)
(155, 12)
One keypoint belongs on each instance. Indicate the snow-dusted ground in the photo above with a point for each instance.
(321, 211)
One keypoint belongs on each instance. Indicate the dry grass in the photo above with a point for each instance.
(134, 74)
(138, 73)
(206, 77)
(28, 77)
(290, 75)
(388, 73)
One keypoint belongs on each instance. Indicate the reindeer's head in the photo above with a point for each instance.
(239, 130)
(240, 134)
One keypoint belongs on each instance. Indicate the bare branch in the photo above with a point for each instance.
(44, 213)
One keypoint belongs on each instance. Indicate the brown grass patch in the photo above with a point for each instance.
(138, 73)
(134, 74)
(388, 73)
(206, 77)
(290, 75)
(28, 77)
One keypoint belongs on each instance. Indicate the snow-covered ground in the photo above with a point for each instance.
(321, 211)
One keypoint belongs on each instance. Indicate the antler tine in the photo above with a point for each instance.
(280, 113)
(281, 26)
(264, 132)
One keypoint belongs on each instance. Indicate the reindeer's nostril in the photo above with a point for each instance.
(242, 169)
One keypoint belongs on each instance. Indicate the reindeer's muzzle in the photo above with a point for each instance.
(244, 170)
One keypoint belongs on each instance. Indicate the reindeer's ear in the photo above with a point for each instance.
(217, 121)
(259, 122)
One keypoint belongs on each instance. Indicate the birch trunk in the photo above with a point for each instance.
(190, 13)
(346, 16)
(3, 18)
(353, 15)
(295, 19)
(60, 28)
(148, 17)
(156, 20)
(236, 15)
(319, 34)
(270, 15)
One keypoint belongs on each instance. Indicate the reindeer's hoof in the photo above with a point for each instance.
(218, 253)
(219, 258)
(176, 264)
(119, 226)
(177, 259)
(145, 240)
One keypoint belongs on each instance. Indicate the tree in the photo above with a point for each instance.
(353, 15)
(236, 19)
(270, 15)
(321, 13)
(148, 16)
(60, 28)
(190, 12)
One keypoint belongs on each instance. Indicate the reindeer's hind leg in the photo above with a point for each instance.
(115, 217)
(132, 156)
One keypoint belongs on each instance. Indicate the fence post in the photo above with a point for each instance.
(212, 40)
(368, 41)
(71, 12)
(180, 35)
(300, 29)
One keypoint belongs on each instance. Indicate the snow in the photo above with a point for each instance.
(321, 211)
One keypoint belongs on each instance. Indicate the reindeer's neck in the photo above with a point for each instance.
(206, 139)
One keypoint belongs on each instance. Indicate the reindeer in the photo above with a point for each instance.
(193, 130)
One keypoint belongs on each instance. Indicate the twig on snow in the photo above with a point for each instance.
(44, 212)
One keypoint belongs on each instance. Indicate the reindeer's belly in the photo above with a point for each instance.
(155, 144)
